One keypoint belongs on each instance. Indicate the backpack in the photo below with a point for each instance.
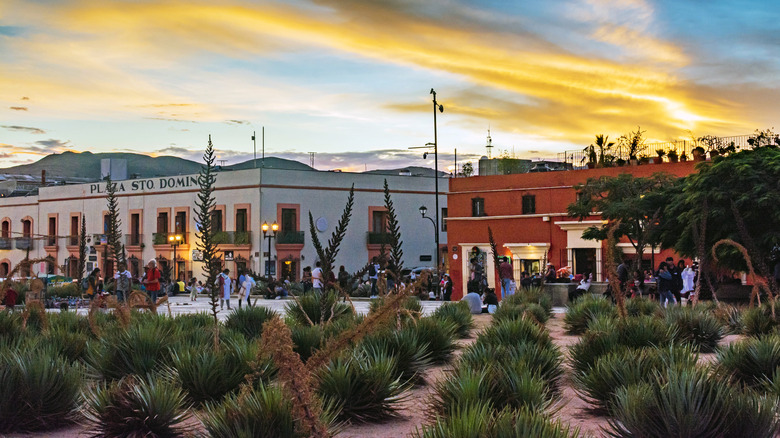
(85, 283)
(372, 270)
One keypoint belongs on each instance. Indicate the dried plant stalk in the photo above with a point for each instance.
(758, 281)
(614, 283)
(296, 378)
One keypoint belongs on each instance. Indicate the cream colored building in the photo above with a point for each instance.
(154, 209)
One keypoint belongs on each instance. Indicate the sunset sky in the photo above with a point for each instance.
(350, 79)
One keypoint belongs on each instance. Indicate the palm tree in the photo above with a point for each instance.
(604, 145)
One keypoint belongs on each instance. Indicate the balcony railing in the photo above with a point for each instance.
(290, 237)
(378, 238)
(24, 243)
(73, 240)
(51, 240)
(233, 237)
(5, 243)
(134, 239)
(162, 238)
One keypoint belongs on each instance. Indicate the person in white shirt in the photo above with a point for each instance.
(688, 274)
(246, 289)
(317, 278)
(123, 281)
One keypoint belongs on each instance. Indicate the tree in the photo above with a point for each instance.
(328, 255)
(738, 197)
(394, 230)
(604, 146)
(204, 206)
(631, 204)
(468, 169)
(82, 249)
(113, 234)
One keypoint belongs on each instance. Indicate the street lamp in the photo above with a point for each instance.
(424, 210)
(269, 232)
(175, 240)
(440, 108)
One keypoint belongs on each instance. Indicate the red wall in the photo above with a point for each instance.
(503, 197)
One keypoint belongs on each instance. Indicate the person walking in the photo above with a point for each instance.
(373, 275)
(152, 280)
(317, 278)
(123, 281)
(507, 278)
(194, 289)
(225, 285)
(247, 285)
(665, 285)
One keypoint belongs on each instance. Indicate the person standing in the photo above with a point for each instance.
(10, 298)
(247, 285)
(225, 284)
(152, 280)
(447, 289)
(123, 281)
(93, 284)
(373, 275)
(306, 281)
(194, 289)
(507, 278)
(622, 275)
(665, 285)
(317, 278)
(688, 274)
(343, 278)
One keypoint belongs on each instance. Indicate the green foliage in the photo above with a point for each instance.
(141, 350)
(10, 325)
(439, 335)
(327, 256)
(751, 361)
(699, 328)
(466, 422)
(757, 321)
(249, 320)
(64, 291)
(394, 231)
(515, 331)
(364, 385)
(458, 314)
(410, 307)
(208, 375)
(136, 406)
(310, 306)
(114, 223)
(411, 354)
(731, 318)
(306, 339)
(71, 345)
(641, 306)
(38, 390)
(532, 295)
(263, 413)
(542, 360)
(584, 310)
(689, 402)
(206, 243)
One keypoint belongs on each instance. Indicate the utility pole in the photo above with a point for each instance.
(440, 108)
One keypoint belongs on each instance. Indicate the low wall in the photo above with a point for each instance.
(559, 292)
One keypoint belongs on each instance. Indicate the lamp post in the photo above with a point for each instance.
(269, 232)
(175, 240)
(423, 210)
(440, 108)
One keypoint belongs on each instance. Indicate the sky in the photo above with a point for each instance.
(350, 80)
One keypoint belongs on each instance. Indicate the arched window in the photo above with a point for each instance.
(5, 267)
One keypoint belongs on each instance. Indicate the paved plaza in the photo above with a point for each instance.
(182, 305)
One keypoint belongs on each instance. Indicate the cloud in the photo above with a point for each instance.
(19, 108)
(24, 129)
(42, 147)
(25, 98)
(237, 122)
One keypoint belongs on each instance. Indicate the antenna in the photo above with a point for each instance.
(311, 159)
(489, 145)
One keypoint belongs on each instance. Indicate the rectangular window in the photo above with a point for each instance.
(379, 222)
(477, 207)
(180, 222)
(74, 230)
(241, 221)
(135, 229)
(162, 222)
(51, 240)
(529, 204)
(289, 220)
(443, 226)
(216, 220)
(106, 222)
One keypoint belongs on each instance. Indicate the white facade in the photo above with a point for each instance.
(152, 209)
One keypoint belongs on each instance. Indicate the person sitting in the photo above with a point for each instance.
(582, 289)
(490, 300)
(474, 301)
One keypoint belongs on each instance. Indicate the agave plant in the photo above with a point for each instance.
(411, 354)
(141, 349)
(465, 422)
(363, 385)
(544, 361)
(458, 314)
(39, 390)
(641, 306)
(527, 423)
(134, 407)
(438, 334)
(249, 320)
(698, 328)
(689, 402)
(517, 311)
(310, 308)
(751, 361)
(306, 339)
(71, 345)
(758, 321)
(731, 317)
(582, 311)
(264, 412)
(514, 331)
(207, 374)
(533, 295)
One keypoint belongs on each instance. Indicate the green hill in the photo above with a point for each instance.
(87, 165)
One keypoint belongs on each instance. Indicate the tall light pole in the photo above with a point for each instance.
(423, 210)
(175, 240)
(440, 108)
(269, 232)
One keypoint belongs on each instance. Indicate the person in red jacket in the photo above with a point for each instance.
(152, 280)
(10, 298)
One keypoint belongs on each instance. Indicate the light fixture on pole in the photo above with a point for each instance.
(269, 232)
(175, 240)
(423, 211)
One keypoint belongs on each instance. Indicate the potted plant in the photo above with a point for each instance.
(660, 158)
(683, 157)
(644, 159)
(590, 153)
(632, 143)
(698, 153)
(672, 156)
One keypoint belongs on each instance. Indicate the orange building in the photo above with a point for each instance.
(527, 214)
